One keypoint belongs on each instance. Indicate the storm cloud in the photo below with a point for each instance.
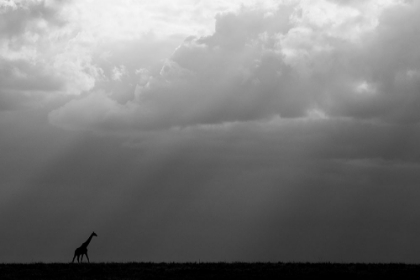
(259, 64)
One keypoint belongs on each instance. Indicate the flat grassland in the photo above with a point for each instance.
(201, 270)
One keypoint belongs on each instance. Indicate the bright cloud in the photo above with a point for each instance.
(53, 46)
(289, 61)
(211, 62)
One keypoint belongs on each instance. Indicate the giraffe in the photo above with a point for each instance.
(82, 250)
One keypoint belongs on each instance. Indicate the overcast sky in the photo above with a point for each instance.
(210, 130)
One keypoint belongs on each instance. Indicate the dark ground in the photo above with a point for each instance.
(201, 270)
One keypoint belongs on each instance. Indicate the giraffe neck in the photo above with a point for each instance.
(87, 241)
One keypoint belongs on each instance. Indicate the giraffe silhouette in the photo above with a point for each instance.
(82, 250)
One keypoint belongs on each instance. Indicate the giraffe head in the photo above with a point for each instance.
(94, 234)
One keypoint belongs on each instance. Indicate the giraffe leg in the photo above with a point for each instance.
(87, 257)
(78, 256)
(81, 258)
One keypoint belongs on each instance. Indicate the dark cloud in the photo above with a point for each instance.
(124, 55)
(20, 17)
(20, 75)
(389, 62)
(27, 74)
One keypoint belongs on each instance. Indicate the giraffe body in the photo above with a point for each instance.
(82, 250)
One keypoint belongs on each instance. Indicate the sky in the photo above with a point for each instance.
(210, 130)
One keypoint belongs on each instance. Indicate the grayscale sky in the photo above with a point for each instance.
(210, 130)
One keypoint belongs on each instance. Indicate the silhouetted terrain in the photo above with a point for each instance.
(200, 270)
